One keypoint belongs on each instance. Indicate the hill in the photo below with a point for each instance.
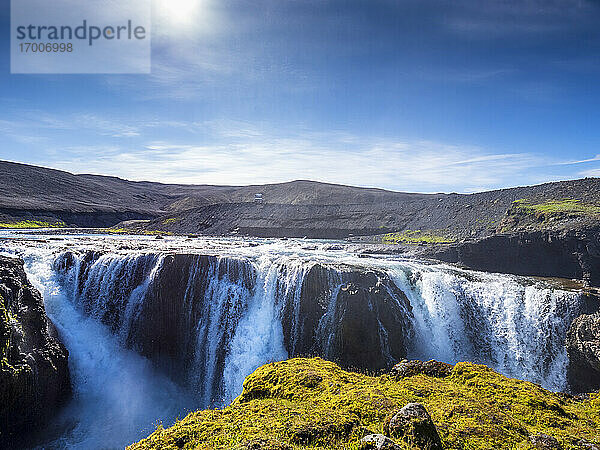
(297, 208)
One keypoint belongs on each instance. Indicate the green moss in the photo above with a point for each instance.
(416, 237)
(135, 232)
(6, 323)
(171, 220)
(33, 224)
(550, 207)
(312, 403)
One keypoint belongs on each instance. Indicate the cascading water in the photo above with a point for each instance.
(497, 320)
(207, 314)
(118, 396)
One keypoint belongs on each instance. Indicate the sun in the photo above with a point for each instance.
(178, 11)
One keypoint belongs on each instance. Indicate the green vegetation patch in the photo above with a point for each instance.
(550, 207)
(33, 224)
(136, 232)
(169, 221)
(312, 403)
(416, 237)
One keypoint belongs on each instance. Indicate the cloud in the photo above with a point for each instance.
(581, 161)
(239, 153)
(590, 173)
(40, 121)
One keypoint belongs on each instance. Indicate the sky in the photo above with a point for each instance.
(408, 95)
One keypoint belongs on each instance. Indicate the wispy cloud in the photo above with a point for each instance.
(581, 161)
(40, 121)
(243, 153)
(237, 152)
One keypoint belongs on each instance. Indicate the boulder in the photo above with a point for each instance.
(406, 368)
(583, 348)
(358, 318)
(378, 442)
(544, 442)
(587, 445)
(414, 426)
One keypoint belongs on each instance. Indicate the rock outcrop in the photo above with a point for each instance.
(359, 319)
(34, 374)
(378, 442)
(583, 348)
(565, 254)
(430, 368)
(544, 442)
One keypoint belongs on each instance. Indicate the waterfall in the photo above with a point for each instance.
(152, 334)
(514, 325)
(230, 308)
(118, 396)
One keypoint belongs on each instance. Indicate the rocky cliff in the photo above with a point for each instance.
(583, 347)
(209, 320)
(34, 374)
(573, 254)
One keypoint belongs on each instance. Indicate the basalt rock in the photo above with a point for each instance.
(583, 348)
(378, 442)
(414, 426)
(356, 317)
(545, 442)
(431, 368)
(34, 374)
(178, 299)
(567, 254)
(359, 319)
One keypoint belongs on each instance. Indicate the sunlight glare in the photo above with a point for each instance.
(178, 11)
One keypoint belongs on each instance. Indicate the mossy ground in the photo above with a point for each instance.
(567, 213)
(416, 237)
(33, 224)
(136, 231)
(564, 206)
(312, 403)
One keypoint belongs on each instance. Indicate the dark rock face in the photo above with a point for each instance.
(431, 368)
(414, 426)
(583, 348)
(357, 319)
(34, 374)
(569, 254)
(179, 298)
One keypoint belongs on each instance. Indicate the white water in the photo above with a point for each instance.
(118, 397)
(513, 324)
(498, 320)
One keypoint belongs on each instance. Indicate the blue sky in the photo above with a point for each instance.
(416, 95)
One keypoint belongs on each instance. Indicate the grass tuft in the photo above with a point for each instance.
(415, 237)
